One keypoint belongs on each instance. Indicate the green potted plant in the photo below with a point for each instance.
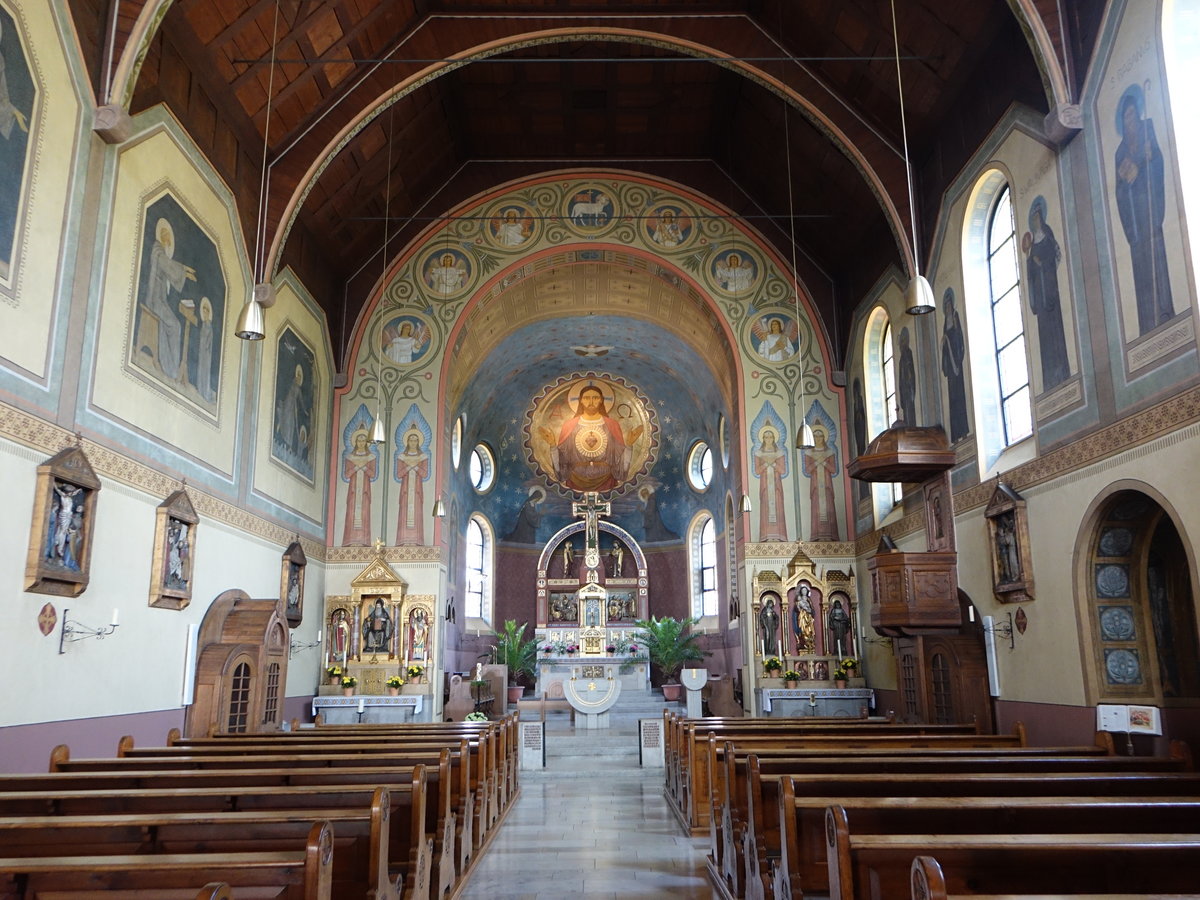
(393, 685)
(669, 644)
(517, 652)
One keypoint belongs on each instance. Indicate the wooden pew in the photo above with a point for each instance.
(689, 784)
(305, 873)
(447, 818)
(929, 883)
(803, 867)
(748, 813)
(379, 832)
(361, 841)
(876, 866)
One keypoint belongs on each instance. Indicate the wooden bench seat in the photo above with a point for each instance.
(802, 868)
(380, 835)
(928, 883)
(878, 866)
(305, 873)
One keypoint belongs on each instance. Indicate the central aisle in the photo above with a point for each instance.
(592, 824)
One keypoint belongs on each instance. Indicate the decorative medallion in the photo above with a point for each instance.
(404, 339)
(47, 619)
(1116, 542)
(668, 226)
(446, 272)
(1116, 623)
(590, 209)
(510, 225)
(1112, 580)
(734, 272)
(1122, 666)
(591, 433)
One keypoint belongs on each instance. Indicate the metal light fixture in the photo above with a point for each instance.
(804, 436)
(918, 297)
(746, 503)
(439, 509)
(251, 325)
(378, 430)
(73, 630)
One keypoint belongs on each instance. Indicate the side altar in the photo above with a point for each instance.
(592, 587)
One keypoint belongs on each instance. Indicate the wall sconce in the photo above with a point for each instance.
(77, 631)
(746, 503)
(295, 647)
(1003, 629)
(804, 437)
(439, 509)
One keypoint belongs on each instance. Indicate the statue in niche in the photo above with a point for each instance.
(768, 627)
(838, 625)
(568, 555)
(617, 554)
(803, 621)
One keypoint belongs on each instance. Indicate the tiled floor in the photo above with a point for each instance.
(593, 827)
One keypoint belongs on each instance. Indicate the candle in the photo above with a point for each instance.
(360, 704)
(115, 617)
(319, 633)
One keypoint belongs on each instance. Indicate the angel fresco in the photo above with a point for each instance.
(776, 336)
(446, 272)
(405, 339)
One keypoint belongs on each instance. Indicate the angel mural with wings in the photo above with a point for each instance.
(776, 337)
(405, 339)
(512, 227)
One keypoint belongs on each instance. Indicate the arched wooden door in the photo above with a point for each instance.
(241, 667)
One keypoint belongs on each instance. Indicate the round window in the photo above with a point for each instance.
(482, 468)
(700, 466)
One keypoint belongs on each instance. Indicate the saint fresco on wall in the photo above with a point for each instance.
(360, 469)
(821, 466)
(1140, 193)
(594, 433)
(734, 271)
(446, 271)
(413, 438)
(178, 322)
(954, 354)
(1043, 256)
(17, 95)
(668, 226)
(769, 454)
(293, 435)
(510, 226)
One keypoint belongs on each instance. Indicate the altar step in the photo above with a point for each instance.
(613, 748)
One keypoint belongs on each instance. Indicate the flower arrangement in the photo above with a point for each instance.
(549, 648)
(476, 717)
(772, 664)
(572, 648)
(611, 648)
(839, 674)
(349, 681)
(415, 671)
(334, 671)
(849, 664)
(394, 682)
(791, 675)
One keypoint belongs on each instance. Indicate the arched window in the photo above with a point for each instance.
(239, 699)
(480, 574)
(883, 405)
(271, 706)
(887, 372)
(705, 599)
(999, 358)
(1008, 329)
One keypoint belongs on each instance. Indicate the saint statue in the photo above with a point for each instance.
(803, 625)
(768, 627)
(618, 558)
(568, 554)
(839, 629)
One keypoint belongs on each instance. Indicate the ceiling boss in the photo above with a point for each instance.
(591, 433)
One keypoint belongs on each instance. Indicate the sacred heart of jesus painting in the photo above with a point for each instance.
(591, 433)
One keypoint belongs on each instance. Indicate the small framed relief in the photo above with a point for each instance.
(1008, 537)
(60, 534)
(291, 583)
(174, 552)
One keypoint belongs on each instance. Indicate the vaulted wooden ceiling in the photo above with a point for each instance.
(691, 90)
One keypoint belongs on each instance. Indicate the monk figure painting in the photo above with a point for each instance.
(591, 434)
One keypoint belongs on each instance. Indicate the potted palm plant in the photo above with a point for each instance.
(669, 644)
(517, 652)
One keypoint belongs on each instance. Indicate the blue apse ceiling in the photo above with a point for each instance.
(678, 384)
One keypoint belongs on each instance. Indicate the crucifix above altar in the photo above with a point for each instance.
(592, 576)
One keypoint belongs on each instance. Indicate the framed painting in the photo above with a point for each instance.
(1008, 537)
(60, 534)
(291, 583)
(293, 432)
(174, 552)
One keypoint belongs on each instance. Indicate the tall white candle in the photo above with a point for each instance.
(319, 633)
(116, 613)
(360, 704)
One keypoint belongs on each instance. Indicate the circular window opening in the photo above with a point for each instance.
(482, 467)
(700, 466)
(456, 443)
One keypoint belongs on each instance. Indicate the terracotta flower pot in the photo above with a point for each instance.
(791, 685)
(348, 691)
(393, 691)
(515, 692)
(335, 679)
(672, 692)
(840, 683)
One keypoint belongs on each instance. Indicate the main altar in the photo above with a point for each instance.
(592, 587)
